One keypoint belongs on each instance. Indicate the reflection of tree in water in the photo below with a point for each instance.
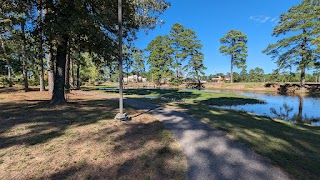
(284, 112)
(298, 118)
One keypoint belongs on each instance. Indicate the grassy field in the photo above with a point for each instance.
(80, 140)
(293, 147)
(186, 96)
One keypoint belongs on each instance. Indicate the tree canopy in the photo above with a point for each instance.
(58, 27)
(298, 48)
(234, 45)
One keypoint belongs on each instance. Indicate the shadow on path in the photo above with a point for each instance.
(210, 154)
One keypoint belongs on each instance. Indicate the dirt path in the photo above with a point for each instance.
(210, 154)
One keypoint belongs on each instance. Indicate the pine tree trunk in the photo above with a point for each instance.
(67, 74)
(9, 74)
(304, 61)
(8, 63)
(50, 60)
(232, 61)
(71, 73)
(41, 68)
(50, 64)
(78, 74)
(59, 77)
(303, 76)
(42, 82)
(231, 71)
(24, 58)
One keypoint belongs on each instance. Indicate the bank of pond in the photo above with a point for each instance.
(295, 108)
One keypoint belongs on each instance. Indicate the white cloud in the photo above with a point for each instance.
(264, 19)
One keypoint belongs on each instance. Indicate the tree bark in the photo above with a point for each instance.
(8, 63)
(231, 71)
(42, 82)
(78, 74)
(59, 77)
(24, 58)
(67, 76)
(50, 59)
(41, 68)
(50, 64)
(71, 73)
(303, 61)
(303, 76)
(232, 60)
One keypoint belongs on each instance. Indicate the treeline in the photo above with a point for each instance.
(53, 42)
(258, 75)
(59, 44)
(171, 59)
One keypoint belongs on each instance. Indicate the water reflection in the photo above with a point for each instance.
(292, 108)
(285, 111)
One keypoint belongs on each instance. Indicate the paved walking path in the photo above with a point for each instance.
(210, 154)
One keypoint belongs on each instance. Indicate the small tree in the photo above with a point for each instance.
(234, 44)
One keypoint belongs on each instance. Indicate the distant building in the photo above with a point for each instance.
(221, 79)
(134, 78)
(218, 79)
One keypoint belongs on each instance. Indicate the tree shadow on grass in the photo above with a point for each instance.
(145, 161)
(294, 147)
(15, 89)
(35, 122)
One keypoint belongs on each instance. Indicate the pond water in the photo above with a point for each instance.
(292, 108)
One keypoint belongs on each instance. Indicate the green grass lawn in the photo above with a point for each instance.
(293, 147)
(207, 98)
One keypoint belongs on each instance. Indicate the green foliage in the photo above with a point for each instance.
(175, 81)
(234, 45)
(89, 72)
(138, 62)
(77, 26)
(298, 48)
(256, 75)
(160, 58)
(195, 66)
(179, 37)
(168, 52)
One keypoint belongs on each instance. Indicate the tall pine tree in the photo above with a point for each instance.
(297, 48)
(234, 45)
(160, 58)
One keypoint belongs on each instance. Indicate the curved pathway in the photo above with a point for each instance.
(210, 154)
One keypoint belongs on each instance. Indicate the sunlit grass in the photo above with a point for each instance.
(293, 147)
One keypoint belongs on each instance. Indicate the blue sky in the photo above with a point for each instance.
(212, 19)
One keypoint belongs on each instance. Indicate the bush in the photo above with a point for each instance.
(176, 81)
